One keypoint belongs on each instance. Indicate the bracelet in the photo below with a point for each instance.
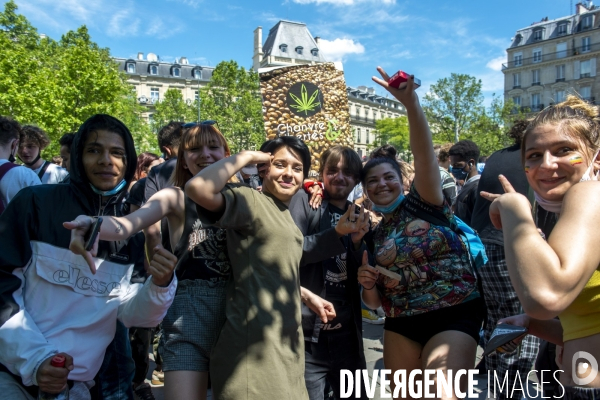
(371, 288)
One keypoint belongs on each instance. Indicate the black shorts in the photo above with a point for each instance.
(465, 317)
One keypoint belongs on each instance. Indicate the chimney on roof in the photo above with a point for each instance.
(580, 8)
(184, 61)
(317, 39)
(140, 56)
(371, 90)
(258, 50)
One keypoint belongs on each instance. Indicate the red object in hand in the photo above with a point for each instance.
(308, 185)
(399, 79)
(58, 361)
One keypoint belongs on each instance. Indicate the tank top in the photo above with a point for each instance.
(201, 251)
(582, 317)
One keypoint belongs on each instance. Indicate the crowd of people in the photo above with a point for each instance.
(252, 275)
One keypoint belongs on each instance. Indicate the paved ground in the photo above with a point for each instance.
(373, 344)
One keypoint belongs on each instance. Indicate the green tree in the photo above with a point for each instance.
(232, 97)
(172, 107)
(453, 105)
(490, 129)
(59, 84)
(393, 131)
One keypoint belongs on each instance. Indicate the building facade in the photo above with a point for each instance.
(551, 59)
(290, 43)
(152, 78)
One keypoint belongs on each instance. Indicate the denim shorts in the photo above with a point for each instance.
(192, 325)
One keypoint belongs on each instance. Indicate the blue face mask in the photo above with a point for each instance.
(110, 192)
(459, 174)
(390, 207)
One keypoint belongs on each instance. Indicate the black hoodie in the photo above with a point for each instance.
(37, 213)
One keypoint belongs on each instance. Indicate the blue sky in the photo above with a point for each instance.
(429, 39)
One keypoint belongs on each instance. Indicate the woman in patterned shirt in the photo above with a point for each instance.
(419, 272)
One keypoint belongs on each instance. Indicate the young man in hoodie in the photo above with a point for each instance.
(331, 346)
(55, 302)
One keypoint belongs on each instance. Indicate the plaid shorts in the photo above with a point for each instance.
(192, 325)
(501, 301)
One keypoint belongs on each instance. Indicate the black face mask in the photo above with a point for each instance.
(12, 158)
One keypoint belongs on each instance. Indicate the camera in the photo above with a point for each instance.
(399, 79)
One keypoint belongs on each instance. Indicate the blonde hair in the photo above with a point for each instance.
(575, 118)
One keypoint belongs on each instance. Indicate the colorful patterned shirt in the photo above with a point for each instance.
(429, 264)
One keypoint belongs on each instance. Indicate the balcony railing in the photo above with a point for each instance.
(552, 56)
(364, 120)
(537, 107)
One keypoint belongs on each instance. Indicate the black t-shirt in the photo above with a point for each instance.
(465, 201)
(508, 163)
(136, 193)
(335, 275)
(159, 178)
(201, 251)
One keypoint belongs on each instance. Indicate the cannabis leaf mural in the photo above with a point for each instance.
(300, 102)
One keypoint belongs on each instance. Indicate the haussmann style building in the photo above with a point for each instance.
(553, 58)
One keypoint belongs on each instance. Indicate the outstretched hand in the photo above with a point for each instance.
(405, 95)
(79, 227)
(509, 190)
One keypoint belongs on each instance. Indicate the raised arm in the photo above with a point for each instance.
(168, 202)
(548, 276)
(205, 188)
(427, 174)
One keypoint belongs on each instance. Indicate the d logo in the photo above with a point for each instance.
(580, 368)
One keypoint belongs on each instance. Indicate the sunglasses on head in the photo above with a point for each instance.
(205, 122)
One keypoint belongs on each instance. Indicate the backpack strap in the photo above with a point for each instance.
(427, 213)
(43, 170)
(4, 168)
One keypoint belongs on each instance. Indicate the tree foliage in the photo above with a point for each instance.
(172, 107)
(59, 84)
(393, 131)
(453, 105)
(232, 97)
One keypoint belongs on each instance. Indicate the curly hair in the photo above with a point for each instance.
(466, 150)
(517, 131)
(35, 135)
(9, 130)
(574, 117)
(442, 151)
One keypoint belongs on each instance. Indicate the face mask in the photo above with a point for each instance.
(460, 174)
(390, 207)
(109, 192)
(586, 175)
(12, 158)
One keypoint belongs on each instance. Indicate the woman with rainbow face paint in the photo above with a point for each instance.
(560, 277)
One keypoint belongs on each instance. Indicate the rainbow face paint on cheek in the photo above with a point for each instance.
(576, 160)
(527, 169)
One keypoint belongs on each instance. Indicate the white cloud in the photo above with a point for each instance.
(492, 82)
(338, 49)
(122, 24)
(496, 63)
